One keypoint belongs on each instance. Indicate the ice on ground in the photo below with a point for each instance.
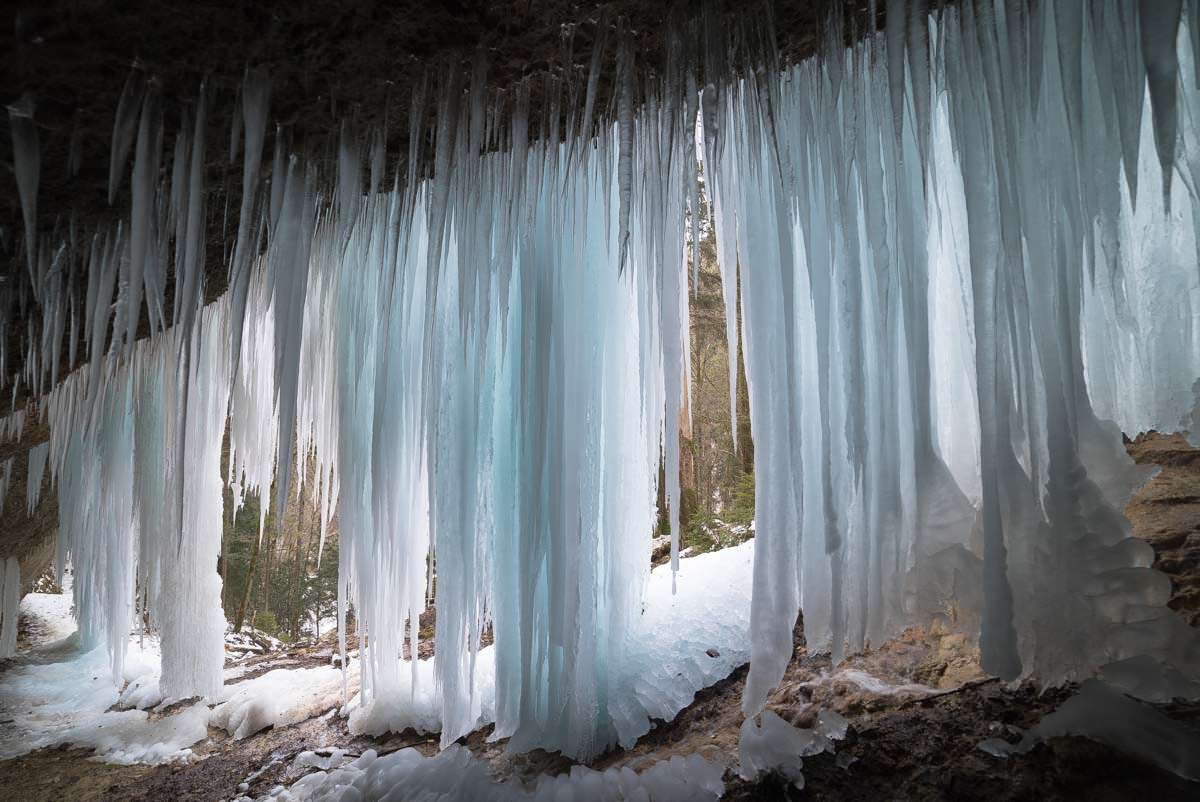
(419, 705)
(768, 744)
(58, 694)
(61, 695)
(456, 774)
(873, 684)
(685, 641)
(135, 736)
(48, 616)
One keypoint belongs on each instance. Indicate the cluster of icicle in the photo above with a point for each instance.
(485, 365)
(955, 241)
(930, 226)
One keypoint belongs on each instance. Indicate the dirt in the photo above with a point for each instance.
(918, 743)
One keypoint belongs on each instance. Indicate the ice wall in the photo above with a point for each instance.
(961, 250)
(943, 260)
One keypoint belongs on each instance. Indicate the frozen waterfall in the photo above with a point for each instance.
(967, 256)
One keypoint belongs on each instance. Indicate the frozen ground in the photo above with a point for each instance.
(55, 694)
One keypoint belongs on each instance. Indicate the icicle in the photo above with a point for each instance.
(190, 285)
(625, 127)
(1159, 23)
(179, 209)
(289, 270)
(124, 128)
(142, 216)
(36, 473)
(278, 175)
(27, 162)
(5, 477)
(691, 131)
(255, 98)
(235, 124)
(486, 393)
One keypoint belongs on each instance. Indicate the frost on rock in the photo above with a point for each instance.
(1104, 714)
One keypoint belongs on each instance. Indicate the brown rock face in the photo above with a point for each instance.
(1166, 513)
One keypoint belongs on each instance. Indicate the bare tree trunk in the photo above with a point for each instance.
(241, 612)
(226, 536)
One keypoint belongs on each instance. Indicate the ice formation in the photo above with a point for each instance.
(35, 475)
(456, 774)
(918, 221)
(1106, 715)
(949, 286)
(768, 744)
(5, 479)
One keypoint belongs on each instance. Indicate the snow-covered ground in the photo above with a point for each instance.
(55, 693)
(58, 694)
(47, 616)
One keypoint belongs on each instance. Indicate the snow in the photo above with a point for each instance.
(455, 774)
(48, 615)
(277, 698)
(60, 694)
(63, 695)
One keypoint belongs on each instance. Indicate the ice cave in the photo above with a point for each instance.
(600, 400)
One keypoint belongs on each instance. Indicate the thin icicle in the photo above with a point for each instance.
(27, 163)
(37, 472)
(125, 128)
(1159, 23)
